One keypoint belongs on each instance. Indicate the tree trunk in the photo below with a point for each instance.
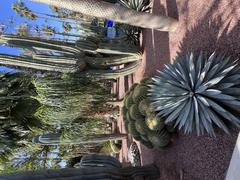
(119, 14)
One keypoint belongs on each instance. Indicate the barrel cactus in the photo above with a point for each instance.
(140, 119)
(198, 93)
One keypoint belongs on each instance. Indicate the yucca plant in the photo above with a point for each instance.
(198, 92)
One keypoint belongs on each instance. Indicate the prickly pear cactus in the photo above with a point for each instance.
(140, 119)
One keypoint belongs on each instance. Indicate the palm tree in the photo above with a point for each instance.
(24, 11)
(50, 31)
(119, 14)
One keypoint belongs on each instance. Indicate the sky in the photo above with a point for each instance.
(6, 14)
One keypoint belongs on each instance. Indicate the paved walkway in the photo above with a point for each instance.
(204, 25)
(233, 172)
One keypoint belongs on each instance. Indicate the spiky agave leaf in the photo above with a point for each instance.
(138, 5)
(198, 93)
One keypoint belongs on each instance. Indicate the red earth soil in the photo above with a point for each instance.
(204, 25)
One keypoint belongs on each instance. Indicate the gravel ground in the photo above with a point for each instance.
(206, 25)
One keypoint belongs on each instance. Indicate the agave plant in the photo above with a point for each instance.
(197, 93)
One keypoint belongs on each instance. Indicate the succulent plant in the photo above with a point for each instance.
(170, 127)
(144, 137)
(139, 93)
(143, 106)
(148, 144)
(128, 102)
(141, 126)
(133, 86)
(132, 129)
(124, 112)
(142, 5)
(198, 92)
(134, 113)
(140, 119)
(154, 123)
(146, 81)
(159, 138)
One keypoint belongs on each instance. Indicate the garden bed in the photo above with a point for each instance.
(203, 26)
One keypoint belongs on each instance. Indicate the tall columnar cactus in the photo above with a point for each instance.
(31, 63)
(198, 93)
(55, 139)
(119, 14)
(81, 57)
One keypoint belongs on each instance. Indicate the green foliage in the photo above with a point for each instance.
(138, 5)
(84, 127)
(16, 114)
(67, 27)
(48, 30)
(198, 92)
(64, 99)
